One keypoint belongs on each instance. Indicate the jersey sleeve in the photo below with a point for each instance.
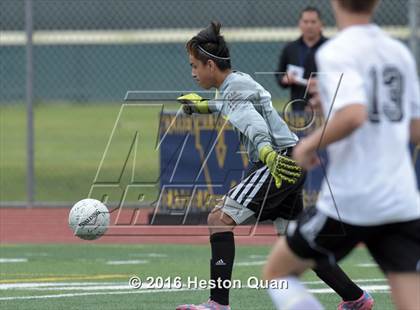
(340, 83)
(281, 69)
(215, 105)
(240, 112)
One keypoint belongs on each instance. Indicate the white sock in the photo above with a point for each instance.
(294, 297)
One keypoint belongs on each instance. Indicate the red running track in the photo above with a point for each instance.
(49, 225)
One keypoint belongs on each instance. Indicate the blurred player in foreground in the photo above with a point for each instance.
(373, 113)
(273, 185)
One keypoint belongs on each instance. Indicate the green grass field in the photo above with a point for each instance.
(69, 143)
(93, 276)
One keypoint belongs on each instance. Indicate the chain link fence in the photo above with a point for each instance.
(93, 51)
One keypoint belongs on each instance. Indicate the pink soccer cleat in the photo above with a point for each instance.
(363, 303)
(209, 305)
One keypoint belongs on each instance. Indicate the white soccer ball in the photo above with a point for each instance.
(89, 219)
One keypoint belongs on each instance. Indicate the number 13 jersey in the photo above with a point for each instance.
(370, 178)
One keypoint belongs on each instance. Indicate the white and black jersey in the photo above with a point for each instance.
(370, 178)
(248, 107)
(370, 172)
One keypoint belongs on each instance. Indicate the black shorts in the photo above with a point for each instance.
(395, 247)
(258, 193)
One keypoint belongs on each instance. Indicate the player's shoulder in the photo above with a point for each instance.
(353, 44)
(339, 46)
(239, 80)
(402, 51)
(392, 44)
(242, 85)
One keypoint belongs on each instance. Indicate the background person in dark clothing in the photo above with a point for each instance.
(298, 57)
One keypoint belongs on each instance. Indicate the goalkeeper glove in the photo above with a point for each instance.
(282, 168)
(193, 103)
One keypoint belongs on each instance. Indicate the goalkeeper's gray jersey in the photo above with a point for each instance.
(248, 107)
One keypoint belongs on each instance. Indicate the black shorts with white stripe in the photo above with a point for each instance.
(395, 246)
(258, 193)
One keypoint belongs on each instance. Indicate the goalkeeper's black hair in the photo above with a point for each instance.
(210, 44)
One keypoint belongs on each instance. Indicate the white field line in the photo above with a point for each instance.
(86, 288)
(127, 287)
(357, 281)
(140, 291)
(33, 285)
(127, 262)
(154, 255)
(262, 262)
(255, 263)
(82, 285)
(257, 256)
(13, 260)
(369, 288)
(79, 286)
(367, 265)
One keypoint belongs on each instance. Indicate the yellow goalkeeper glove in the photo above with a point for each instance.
(194, 103)
(282, 168)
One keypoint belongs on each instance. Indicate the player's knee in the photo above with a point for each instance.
(218, 218)
(271, 272)
(213, 218)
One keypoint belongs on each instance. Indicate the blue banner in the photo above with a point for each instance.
(201, 159)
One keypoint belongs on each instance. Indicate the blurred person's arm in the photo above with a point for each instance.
(343, 95)
(288, 79)
(343, 123)
(315, 98)
(415, 131)
(283, 79)
(414, 97)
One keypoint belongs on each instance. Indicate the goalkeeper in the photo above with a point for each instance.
(272, 188)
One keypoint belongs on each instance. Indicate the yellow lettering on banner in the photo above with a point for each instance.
(233, 183)
(197, 199)
(221, 150)
(181, 125)
(179, 199)
(169, 198)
